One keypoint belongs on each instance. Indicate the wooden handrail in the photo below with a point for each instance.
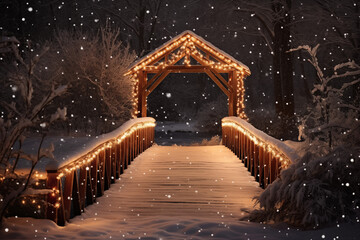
(263, 155)
(84, 177)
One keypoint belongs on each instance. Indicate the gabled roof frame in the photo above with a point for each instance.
(178, 56)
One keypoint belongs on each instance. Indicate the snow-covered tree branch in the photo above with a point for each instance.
(27, 108)
(332, 116)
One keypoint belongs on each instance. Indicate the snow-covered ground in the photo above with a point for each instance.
(138, 205)
(168, 228)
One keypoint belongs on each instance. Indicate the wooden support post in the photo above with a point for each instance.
(142, 130)
(113, 163)
(247, 151)
(118, 160)
(231, 139)
(250, 153)
(82, 186)
(123, 165)
(239, 97)
(251, 162)
(256, 162)
(234, 92)
(67, 194)
(54, 212)
(75, 196)
(101, 173)
(261, 166)
(137, 146)
(267, 162)
(142, 94)
(94, 176)
(127, 149)
(223, 136)
(132, 145)
(241, 145)
(237, 143)
(107, 168)
(231, 96)
(89, 188)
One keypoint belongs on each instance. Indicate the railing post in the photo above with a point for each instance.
(113, 162)
(247, 151)
(118, 160)
(89, 185)
(261, 166)
(267, 163)
(82, 186)
(256, 162)
(101, 173)
(251, 160)
(67, 194)
(52, 198)
(107, 168)
(94, 177)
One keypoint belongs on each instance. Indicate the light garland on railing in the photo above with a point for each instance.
(96, 151)
(284, 160)
(188, 45)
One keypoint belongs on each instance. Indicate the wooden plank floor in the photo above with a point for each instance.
(191, 181)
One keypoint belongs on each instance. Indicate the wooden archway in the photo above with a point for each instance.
(189, 53)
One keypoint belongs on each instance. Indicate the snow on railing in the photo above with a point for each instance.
(84, 176)
(263, 155)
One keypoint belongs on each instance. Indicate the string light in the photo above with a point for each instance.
(96, 151)
(186, 46)
(276, 152)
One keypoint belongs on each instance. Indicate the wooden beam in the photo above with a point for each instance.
(231, 97)
(141, 95)
(234, 91)
(213, 77)
(214, 71)
(222, 79)
(152, 80)
(161, 56)
(156, 83)
(182, 69)
(209, 53)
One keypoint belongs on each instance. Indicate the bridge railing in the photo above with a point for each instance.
(77, 182)
(263, 155)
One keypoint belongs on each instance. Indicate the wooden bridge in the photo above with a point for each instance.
(202, 181)
(173, 180)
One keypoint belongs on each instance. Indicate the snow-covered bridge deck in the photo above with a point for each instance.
(194, 181)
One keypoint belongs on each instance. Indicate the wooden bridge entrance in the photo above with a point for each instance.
(189, 53)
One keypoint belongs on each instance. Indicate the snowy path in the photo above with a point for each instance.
(172, 192)
(183, 181)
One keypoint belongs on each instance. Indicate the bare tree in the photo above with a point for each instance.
(331, 119)
(274, 18)
(27, 108)
(95, 65)
(139, 17)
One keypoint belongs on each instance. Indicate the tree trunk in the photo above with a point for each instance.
(282, 60)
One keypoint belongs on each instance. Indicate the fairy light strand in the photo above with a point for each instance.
(284, 160)
(186, 47)
(96, 151)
